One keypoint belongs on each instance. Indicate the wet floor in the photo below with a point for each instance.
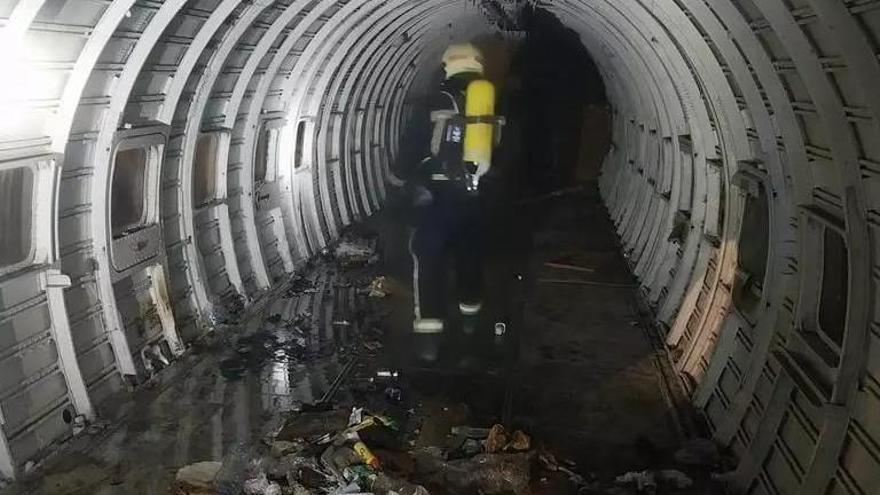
(220, 399)
(574, 368)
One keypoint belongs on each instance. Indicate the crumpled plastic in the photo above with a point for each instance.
(352, 252)
(261, 486)
(198, 478)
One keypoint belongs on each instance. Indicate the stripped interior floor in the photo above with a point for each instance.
(583, 379)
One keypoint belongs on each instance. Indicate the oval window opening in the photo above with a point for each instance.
(300, 140)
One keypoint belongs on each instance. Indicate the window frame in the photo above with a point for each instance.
(300, 132)
(272, 127)
(222, 140)
(811, 308)
(143, 221)
(823, 273)
(153, 139)
(811, 355)
(43, 233)
(753, 183)
(139, 246)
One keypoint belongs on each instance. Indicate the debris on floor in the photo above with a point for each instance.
(232, 309)
(356, 252)
(197, 479)
(377, 288)
(261, 486)
(369, 426)
(377, 436)
(644, 481)
(649, 481)
(365, 451)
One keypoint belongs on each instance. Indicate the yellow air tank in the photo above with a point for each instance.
(480, 112)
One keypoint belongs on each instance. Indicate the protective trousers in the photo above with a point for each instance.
(450, 227)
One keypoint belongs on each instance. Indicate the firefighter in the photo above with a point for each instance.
(446, 196)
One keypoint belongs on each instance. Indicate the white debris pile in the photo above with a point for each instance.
(197, 479)
(356, 252)
(261, 486)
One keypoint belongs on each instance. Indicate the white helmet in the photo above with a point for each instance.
(461, 58)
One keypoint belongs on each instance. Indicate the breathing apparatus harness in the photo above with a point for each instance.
(463, 140)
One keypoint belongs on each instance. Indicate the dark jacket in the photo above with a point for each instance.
(418, 161)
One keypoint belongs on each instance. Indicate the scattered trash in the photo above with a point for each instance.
(304, 472)
(520, 441)
(281, 448)
(356, 451)
(351, 488)
(496, 440)
(359, 252)
(366, 455)
(387, 421)
(380, 438)
(309, 426)
(551, 464)
(343, 457)
(649, 481)
(387, 374)
(298, 286)
(373, 345)
(377, 288)
(261, 486)
(231, 310)
(645, 481)
(356, 417)
(79, 424)
(197, 479)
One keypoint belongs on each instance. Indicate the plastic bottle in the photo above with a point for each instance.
(366, 455)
